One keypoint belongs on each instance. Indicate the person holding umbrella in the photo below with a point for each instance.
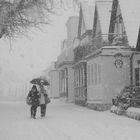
(43, 96)
(43, 99)
(33, 100)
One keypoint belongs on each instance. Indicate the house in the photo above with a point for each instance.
(95, 62)
(131, 19)
(65, 61)
(114, 64)
(108, 73)
(53, 75)
(82, 46)
(54, 83)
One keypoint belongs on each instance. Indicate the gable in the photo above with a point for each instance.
(83, 28)
(88, 14)
(131, 15)
(117, 29)
(96, 25)
(104, 14)
(85, 17)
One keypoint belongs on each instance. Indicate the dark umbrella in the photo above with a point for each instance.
(38, 81)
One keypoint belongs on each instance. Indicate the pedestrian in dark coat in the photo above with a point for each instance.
(33, 97)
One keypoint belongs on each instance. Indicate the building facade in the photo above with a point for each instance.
(65, 61)
(51, 74)
(100, 55)
(114, 64)
(105, 55)
(82, 46)
(54, 83)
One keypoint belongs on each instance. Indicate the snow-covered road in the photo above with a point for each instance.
(64, 122)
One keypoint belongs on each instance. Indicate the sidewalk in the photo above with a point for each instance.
(64, 122)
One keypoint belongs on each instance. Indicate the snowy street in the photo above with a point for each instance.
(64, 121)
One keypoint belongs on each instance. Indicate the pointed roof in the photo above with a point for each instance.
(131, 16)
(138, 41)
(87, 8)
(104, 11)
(88, 13)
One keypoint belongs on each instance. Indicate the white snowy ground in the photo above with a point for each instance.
(64, 122)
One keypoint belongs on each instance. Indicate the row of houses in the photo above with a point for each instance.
(100, 55)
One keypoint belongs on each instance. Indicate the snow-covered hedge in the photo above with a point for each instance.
(127, 102)
(133, 112)
(117, 110)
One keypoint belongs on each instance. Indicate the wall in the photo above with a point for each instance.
(94, 83)
(114, 79)
(54, 85)
(107, 80)
(70, 84)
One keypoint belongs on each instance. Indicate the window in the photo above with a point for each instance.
(95, 72)
(99, 74)
(137, 76)
(92, 75)
(88, 74)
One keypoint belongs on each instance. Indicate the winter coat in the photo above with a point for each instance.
(33, 97)
(44, 99)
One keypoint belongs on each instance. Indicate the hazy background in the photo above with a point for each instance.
(30, 55)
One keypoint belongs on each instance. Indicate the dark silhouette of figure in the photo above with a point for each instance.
(33, 98)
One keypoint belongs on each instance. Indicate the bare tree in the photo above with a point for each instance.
(18, 16)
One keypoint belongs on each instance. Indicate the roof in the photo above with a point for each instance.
(88, 13)
(131, 16)
(72, 18)
(111, 51)
(104, 12)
